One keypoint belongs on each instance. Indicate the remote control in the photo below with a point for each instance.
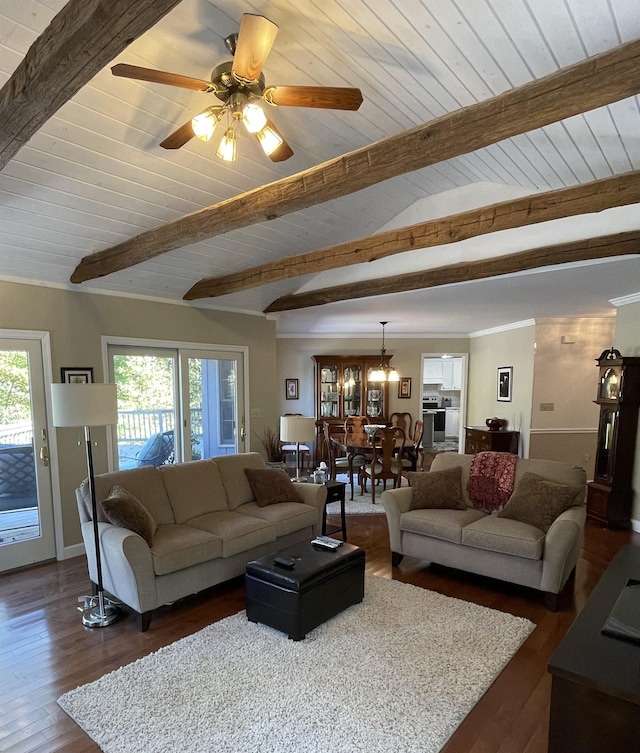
(325, 545)
(283, 561)
(329, 540)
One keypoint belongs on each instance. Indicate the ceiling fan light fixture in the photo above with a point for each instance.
(254, 118)
(228, 147)
(269, 140)
(204, 125)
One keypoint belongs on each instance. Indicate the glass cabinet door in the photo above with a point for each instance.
(329, 392)
(606, 442)
(352, 390)
(375, 398)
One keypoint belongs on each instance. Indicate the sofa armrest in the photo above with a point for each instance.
(562, 548)
(314, 495)
(396, 501)
(127, 565)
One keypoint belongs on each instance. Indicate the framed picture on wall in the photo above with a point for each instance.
(505, 383)
(76, 375)
(404, 387)
(291, 389)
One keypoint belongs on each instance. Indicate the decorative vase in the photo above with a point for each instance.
(495, 424)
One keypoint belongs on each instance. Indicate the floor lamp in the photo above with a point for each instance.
(297, 429)
(87, 405)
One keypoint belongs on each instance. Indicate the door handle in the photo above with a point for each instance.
(243, 433)
(44, 455)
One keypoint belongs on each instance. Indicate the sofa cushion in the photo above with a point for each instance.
(238, 532)
(176, 547)
(235, 482)
(505, 536)
(271, 486)
(441, 524)
(144, 483)
(539, 501)
(123, 509)
(287, 517)
(194, 488)
(437, 489)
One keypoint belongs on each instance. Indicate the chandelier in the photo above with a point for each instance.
(384, 372)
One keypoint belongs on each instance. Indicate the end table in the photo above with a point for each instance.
(335, 493)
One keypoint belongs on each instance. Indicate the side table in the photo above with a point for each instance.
(335, 493)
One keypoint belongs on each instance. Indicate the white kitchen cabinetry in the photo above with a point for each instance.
(452, 374)
(432, 373)
(451, 423)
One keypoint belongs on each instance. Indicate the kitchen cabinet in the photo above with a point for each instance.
(451, 373)
(344, 388)
(432, 371)
(451, 423)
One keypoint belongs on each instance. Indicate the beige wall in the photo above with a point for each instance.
(627, 341)
(566, 376)
(513, 347)
(77, 321)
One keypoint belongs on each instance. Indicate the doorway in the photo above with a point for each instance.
(27, 533)
(444, 390)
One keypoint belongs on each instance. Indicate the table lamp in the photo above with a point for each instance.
(297, 429)
(87, 405)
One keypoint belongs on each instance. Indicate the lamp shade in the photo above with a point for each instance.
(297, 428)
(84, 404)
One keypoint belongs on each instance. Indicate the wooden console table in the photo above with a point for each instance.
(479, 439)
(595, 691)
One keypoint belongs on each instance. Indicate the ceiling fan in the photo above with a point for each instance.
(240, 85)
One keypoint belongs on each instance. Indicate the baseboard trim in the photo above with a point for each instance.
(76, 550)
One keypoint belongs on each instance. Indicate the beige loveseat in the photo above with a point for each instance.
(209, 527)
(498, 547)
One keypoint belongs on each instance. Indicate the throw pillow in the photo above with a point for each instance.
(538, 501)
(437, 490)
(123, 509)
(271, 485)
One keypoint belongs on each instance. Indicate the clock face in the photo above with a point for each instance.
(609, 384)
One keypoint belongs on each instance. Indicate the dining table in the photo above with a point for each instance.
(359, 443)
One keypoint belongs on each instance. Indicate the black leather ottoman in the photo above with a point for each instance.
(320, 585)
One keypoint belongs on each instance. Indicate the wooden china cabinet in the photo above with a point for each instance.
(610, 494)
(343, 389)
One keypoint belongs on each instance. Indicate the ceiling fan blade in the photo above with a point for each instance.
(179, 137)
(162, 77)
(284, 151)
(331, 98)
(255, 39)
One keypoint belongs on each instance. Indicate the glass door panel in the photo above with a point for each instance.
(26, 507)
(213, 404)
(147, 389)
(329, 392)
(352, 390)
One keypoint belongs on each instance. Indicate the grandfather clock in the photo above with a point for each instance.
(610, 494)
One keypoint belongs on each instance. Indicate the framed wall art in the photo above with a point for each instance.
(404, 387)
(505, 383)
(291, 389)
(76, 374)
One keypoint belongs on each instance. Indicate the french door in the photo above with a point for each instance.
(27, 532)
(176, 404)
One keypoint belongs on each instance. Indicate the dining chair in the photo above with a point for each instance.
(355, 425)
(403, 420)
(388, 447)
(412, 455)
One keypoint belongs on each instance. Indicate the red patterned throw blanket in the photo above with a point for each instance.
(491, 479)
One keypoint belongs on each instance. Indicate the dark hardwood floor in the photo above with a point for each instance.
(45, 650)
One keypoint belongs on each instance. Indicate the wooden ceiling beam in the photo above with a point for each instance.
(620, 244)
(80, 40)
(529, 210)
(592, 83)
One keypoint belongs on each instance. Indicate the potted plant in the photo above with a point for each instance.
(270, 440)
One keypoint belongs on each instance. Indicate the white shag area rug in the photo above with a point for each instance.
(398, 672)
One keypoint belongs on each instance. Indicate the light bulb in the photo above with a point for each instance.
(253, 118)
(204, 125)
(269, 140)
(227, 149)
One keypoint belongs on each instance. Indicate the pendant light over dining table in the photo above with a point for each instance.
(384, 372)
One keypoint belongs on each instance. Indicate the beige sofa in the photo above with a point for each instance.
(482, 543)
(209, 527)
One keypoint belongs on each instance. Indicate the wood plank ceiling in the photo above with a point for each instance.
(93, 175)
